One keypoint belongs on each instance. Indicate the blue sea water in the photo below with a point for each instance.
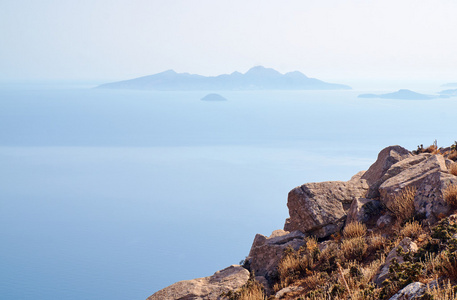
(109, 194)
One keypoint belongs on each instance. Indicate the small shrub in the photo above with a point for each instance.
(400, 275)
(411, 229)
(329, 257)
(453, 169)
(376, 242)
(354, 249)
(450, 195)
(354, 229)
(402, 205)
(253, 291)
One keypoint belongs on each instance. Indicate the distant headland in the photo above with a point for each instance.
(257, 78)
(404, 94)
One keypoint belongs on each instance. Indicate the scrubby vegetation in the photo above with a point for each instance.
(346, 266)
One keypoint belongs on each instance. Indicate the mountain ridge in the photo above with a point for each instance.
(256, 78)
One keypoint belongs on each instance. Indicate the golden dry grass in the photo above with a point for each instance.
(450, 195)
(402, 205)
(354, 249)
(376, 242)
(446, 292)
(252, 292)
(447, 265)
(354, 229)
(411, 229)
(311, 244)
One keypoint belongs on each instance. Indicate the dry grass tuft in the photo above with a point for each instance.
(450, 195)
(354, 249)
(411, 229)
(252, 291)
(447, 265)
(441, 293)
(402, 205)
(453, 169)
(376, 242)
(354, 230)
(311, 244)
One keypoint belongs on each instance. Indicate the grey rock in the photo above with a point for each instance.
(429, 176)
(429, 198)
(320, 208)
(408, 246)
(208, 288)
(413, 290)
(386, 158)
(363, 210)
(290, 289)
(384, 221)
(266, 252)
(449, 163)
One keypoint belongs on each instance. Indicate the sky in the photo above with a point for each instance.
(122, 39)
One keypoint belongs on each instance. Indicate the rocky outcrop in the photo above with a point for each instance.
(429, 175)
(266, 252)
(413, 290)
(320, 208)
(408, 246)
(207, 288)
(386, 158)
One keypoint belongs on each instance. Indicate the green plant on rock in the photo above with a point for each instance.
(400, 275)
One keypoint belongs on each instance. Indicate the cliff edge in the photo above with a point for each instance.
(388, 233)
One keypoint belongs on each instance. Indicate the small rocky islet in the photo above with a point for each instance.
(388, 233)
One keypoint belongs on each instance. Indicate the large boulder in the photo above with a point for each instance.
(266, 252)
(207, 288)
(320, 208)
(386, 158)
(429, 198)
(429, 175)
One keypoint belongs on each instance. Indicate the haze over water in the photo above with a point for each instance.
(117, 194)
(112, 194)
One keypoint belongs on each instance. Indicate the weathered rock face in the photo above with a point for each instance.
(408, 246)
(429, 175)
(320, 208)
(207, 288)
(267, 251)
(386, 158)
(413, 290)
(363, 210)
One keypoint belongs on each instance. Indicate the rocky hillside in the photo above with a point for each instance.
(388, 233)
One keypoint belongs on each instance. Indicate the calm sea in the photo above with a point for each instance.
(117, 194)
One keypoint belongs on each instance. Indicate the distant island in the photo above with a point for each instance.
(403, 94)
(452, 92)
(213, 97)
(257, 78)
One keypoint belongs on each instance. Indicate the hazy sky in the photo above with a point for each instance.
(121, 39)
